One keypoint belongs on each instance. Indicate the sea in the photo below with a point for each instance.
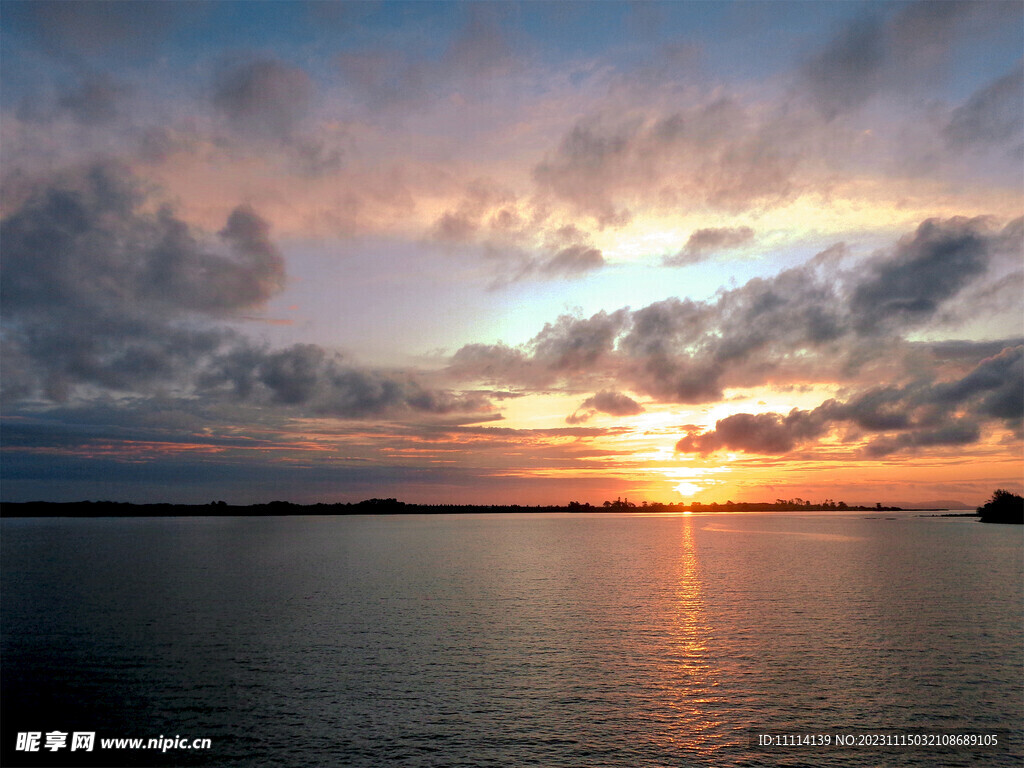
(580, 640)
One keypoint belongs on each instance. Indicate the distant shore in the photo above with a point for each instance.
(389, 507)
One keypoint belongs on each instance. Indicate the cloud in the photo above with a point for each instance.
(958, 432)
(850, 68)
(576, 344)
(493, 362)
(97, 290)
(683, 350)
(101, 293)
(606, 401)
(720, 154)
(323, 384)
(906, 418)
(812, 322)
(94, 101)
(263, 97)
(567, 348)
(517, 235)
(997, 379)
(480, 198)
(768, 433)
(551, 260)
(907, 287)
(687, 351)
(703, 242)
(894, 48)
(588, 155)
(992, 115)
(876, 410)
(573, 261)
(400, 80)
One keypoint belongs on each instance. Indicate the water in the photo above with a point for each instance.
(512, 640)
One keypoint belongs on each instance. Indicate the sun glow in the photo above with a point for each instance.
(688, 489)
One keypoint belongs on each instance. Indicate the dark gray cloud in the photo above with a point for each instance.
(967, 352)
(686, 351)
(719, 154)
(666, 350)
(992, 115)
(993, 389)
(85, 242)
(876, 410)
(322, 383)
(96, 290)
(99, 292)
(553, 260)
(905, 418)
(97, 99)
(569, 347)
(769, 433)
(522, 247)
(265, 103)
(957, 432)
(576, 344)
(613, 403)
(572, 261)
(894, 47)
(705, 242)
(455, 227)
(461, 223)
(493, 363)
(606, 401)
(850, 68)
(997, 379)
(478, 51)
(925, 269)
(264, 97)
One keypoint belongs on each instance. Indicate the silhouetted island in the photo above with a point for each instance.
(395, 507)
(1003, 507)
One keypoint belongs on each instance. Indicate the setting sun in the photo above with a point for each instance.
(688, 490)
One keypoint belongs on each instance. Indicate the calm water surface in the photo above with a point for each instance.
(513, 640)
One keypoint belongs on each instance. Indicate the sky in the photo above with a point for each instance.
(511, 253)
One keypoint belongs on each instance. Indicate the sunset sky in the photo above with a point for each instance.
(512, 252)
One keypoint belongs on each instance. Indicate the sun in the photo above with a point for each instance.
(688, 489)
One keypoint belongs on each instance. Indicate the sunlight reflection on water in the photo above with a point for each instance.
(816, 535)
(688, 676)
